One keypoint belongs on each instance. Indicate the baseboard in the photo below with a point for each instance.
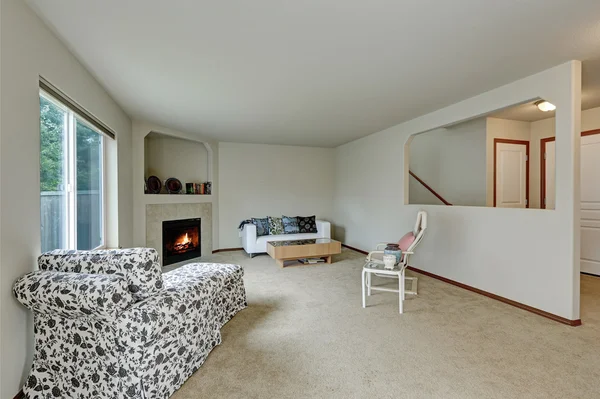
(355, 249)
(227, 250)
(519, 305)
(19, 395)
(591, 274)
(539, 312)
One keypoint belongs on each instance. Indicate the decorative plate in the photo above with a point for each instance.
(153, 185)
(173, 185)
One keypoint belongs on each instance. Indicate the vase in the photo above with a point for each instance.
(393, 249)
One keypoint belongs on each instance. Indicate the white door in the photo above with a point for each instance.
(590, 204)
(511, 175)
(590, 198)
(550, 156)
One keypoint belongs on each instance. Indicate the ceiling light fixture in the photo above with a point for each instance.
(545, 106)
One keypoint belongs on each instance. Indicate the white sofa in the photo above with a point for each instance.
(254, 245)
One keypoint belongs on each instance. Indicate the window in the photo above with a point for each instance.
(71, 178)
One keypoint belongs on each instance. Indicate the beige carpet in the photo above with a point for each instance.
(305, 335)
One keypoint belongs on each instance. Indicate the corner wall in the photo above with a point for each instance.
(529, 256)
(30, 49)
(141, 129)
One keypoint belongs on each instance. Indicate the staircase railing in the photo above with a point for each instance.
(431, 190)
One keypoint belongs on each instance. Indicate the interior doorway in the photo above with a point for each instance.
(511, 173)
(590, 194)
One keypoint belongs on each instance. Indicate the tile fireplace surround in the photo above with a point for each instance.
(157, 213)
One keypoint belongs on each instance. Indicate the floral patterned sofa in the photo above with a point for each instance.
(109, 324)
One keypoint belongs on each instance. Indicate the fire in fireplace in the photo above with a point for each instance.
(181, 240)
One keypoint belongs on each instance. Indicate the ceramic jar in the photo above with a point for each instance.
(389, 261)
(393, 249)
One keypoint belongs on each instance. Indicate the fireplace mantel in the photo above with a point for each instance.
(176, 199)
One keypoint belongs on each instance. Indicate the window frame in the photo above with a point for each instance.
(72, 117)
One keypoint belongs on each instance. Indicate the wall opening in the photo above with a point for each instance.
(493, 160)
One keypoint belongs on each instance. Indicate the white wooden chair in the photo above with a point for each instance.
(374, 265)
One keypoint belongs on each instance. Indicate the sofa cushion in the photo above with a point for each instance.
(275, 225)
(290, 225)
(307, 224)
(262, 226)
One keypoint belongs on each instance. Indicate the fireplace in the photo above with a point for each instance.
(181, 240)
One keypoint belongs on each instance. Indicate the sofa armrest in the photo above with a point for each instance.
(73, 295)
(323, 228)
(139, 266)
(249, 237)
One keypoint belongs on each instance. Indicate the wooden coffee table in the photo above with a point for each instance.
(298, 249)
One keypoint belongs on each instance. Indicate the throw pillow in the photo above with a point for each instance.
(275, 225)
(262, 226)
(290, 225)
(406, 241)
(307, 224)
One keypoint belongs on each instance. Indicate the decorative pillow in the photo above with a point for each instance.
(307, 224)
(275, 225)
(290, 225)
(262, 226)
(406, 241)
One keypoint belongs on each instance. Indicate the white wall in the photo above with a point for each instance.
(29, 49)
(530, 256)
(419, 194)
(167, 157)
(452, 162)
(272, 180)
(590, 119)
(505, 129)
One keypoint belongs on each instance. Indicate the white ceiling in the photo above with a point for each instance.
(527, 112)
(590, 97)
(313, 72)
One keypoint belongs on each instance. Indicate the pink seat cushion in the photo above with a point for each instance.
(406, 241)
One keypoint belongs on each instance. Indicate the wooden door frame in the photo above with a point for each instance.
(519, 142)
(543, 163)
(543, 143)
